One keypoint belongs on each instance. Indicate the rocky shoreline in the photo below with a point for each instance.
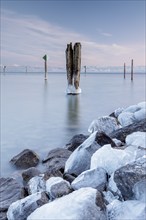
(97, 176)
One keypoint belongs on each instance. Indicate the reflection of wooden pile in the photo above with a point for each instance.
(73, 64)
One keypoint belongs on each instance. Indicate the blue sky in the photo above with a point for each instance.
(111, 32)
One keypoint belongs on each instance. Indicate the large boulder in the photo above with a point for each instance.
(128, 210)
(10, 191)
(104, 124)
(122, 133)
(76, 141)
(85, 203)
(127, 176)
(96, 178)
(25, 159)
(79, 160)
(57, 187)
(56, 159)
(21, 209)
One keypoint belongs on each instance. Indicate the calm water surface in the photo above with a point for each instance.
(39, 115)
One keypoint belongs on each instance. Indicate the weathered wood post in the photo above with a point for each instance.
(77, 64)
(69, 63)
(85, 69)
(45, 65)
(4, 69)
(124, 70)
(132, 70)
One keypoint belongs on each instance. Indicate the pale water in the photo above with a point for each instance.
(38, 115)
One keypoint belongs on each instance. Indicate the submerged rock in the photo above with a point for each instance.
(76, 141)
(10, 191)
(25, 159)
(96, 178)
(21, 209)
(57, 187)
(85, 203)
(104, 124)
(127, 176)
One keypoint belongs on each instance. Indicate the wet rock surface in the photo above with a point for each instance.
(76, 141)
(29, 173)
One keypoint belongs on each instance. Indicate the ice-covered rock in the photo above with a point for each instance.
(96, 178)
(36, 184)
(128, 210)
(137, 139)
(139, 115)
(117, 142)
(142, 105)
(57, 187)
(109, 197)
(132, 108)
(118, 111)
(126, 118)
(81, 204)
(72, 90)
(104, 124)
(127, 176)
(79, 160)
(139, 191)
(111, 159)
(21, 209)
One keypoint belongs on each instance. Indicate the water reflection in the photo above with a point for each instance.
(73, 112)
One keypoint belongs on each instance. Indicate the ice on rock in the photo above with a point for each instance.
(109, 197)
(80, 204)
(111, 159)
(72, 90)
(36, 184)
(128, 210)
(126, 118)
(79, 160)
(132, 108)
(118, 111)
(104, 124)
(139, 191)
(57, 187)
(96, 178)
(142, 105)
(117, 142)
(139, 115)
(137, 139)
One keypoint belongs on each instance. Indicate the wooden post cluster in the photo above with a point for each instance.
(131, 70)
(73, 64)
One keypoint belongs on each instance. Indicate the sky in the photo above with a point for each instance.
(111, 32)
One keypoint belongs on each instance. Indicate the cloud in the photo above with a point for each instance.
(25, 39)
(106, 34)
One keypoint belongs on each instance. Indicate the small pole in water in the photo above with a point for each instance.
(85, 69)
(26, 69)
(45, 58)
(124, 70)
(132, 70)
(4, 69)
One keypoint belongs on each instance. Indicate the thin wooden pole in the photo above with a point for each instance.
(85, 69)
(45, 69)
(132, 70)
(124, 70)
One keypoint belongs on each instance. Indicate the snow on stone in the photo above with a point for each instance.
(109, 197)
(96, 178)
(139, 115)
(132, 108)
(142, 105)
(126, 118)
(127, 210)
(79, 160)
(80, 204)
(72, 90)
(137, 139)
(118, 111)
(104, 124)
(117, 142)
(139, 191)
(57, 187)
(111, 159)
(36, 184)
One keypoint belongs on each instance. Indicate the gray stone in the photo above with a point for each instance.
(122, 133)
(127, 176)
(57, 187)
(76, 141)
(10, 191)
(52, 172)
(96, 178)
(29, 173)
(3, 215)
(21, 209)
(56, 159)
(102, 139)
(25, 159)
(68, 177)
(36, 184)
